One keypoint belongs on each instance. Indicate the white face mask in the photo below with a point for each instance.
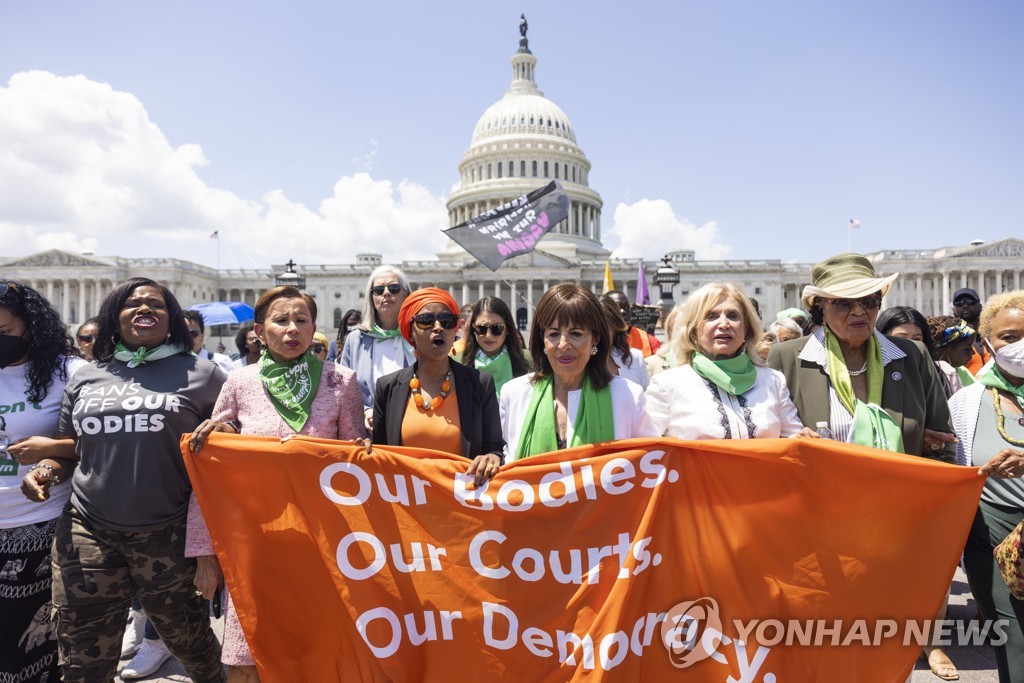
(1010, 358)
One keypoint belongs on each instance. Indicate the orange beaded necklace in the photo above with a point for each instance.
(435, 403)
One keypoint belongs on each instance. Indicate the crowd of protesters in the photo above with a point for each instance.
(97, 519)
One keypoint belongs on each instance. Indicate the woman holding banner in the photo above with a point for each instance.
(376, 348)
(989, 420)
(123, 532)
(320, 399)
(571, 398)
(871, 389)
(438, 403)
(720, 390)
(493, 344)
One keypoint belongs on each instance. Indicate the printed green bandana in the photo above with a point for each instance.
(292, 386)
(736, 375)
(142, 355)
(594, 420)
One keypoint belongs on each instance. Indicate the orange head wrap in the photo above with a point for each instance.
(415, 302)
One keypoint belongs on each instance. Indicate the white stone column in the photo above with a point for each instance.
(529, 302)
(49, 292)
(920, 291)
(465, 292)
(963, 278)
(999, 282)
(81, 302)
(941, 309)
(480, 289)
(65, 302)
(1016, 280)
(981, 286)
(513, 298)
(936, 297)
(497, 289)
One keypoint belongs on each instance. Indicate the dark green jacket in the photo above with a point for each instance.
(911, 392)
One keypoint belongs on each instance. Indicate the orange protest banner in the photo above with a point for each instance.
(764, 560)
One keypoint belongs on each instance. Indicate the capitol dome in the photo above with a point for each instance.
(521, 143)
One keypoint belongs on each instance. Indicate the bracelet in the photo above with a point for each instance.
(54, 479)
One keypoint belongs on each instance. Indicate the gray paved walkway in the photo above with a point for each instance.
(976, 664)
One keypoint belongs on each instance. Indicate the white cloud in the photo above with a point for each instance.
(82, 168)
(649, 228)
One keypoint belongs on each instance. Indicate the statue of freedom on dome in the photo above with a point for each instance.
(524, 43)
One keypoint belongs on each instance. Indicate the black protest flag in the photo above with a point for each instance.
(512, 229)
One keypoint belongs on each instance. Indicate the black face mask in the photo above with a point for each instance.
(12, 349)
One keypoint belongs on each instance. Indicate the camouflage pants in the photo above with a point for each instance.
(97, 571)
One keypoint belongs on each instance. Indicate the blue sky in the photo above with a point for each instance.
(741, 129)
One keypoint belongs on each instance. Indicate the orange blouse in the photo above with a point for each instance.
(436, 429)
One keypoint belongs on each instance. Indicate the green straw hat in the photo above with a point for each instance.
(845, 276)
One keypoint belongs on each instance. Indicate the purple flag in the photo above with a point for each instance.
(643, 296)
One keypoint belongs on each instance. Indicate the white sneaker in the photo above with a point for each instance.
(134, 634)
(151, 657)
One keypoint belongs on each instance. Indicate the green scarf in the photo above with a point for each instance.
(839, 374)
(292, 386)
(594, 420)
(966, 378)
(736, 375)
(874, 427)
(379, 333)
(990, 376)
(142, 355)
(499, 367)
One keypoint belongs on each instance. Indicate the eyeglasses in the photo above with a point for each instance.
(960, 303)
(317, 348)
(393, 288)
(7, 286)
(86, 338)
(868, 303)
(195, 333)
(496, 329)
(425, 321)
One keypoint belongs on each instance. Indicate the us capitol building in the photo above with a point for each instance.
(520, 143)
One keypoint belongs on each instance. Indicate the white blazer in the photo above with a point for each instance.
(628, 407)
(685, 405)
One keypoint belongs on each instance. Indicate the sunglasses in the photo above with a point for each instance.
(960, 303)
(868, 303)
(86, 338)
(7, 286)
(496, 329)
(317, 348)
(425, 321)
(195, 333)
(393, 288)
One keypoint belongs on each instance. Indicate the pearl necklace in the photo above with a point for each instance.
(857, 373)
(435, 403)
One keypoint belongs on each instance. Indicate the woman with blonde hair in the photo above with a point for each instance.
(989, 420)
(721, 390)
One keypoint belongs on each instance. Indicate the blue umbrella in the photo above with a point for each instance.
(224, 312)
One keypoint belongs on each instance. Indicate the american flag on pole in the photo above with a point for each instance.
(854, 223)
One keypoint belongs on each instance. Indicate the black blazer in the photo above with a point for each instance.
(479, 418)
